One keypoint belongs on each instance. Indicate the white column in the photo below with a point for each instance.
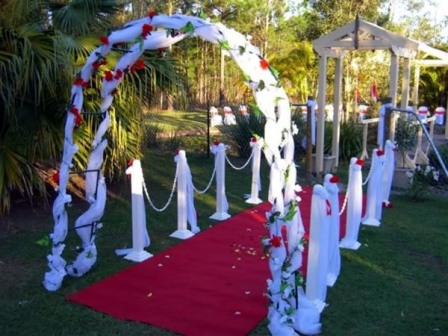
(182, 231)
(222, 206)
(256, 145)
(334, 255)
(321, 114)
(393, 88)
(140, 238)
(317, 270)
(354, 206)
(374, 190)
(388, 173)
(336, 109)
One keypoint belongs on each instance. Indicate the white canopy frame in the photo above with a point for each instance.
(363, 35)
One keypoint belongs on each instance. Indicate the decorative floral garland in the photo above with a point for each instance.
(271, 100)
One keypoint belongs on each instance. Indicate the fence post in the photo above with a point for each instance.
(219, 149)
(256, 145)
(182, 231)
(140, 237)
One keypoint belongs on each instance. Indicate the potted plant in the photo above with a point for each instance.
(405, 140)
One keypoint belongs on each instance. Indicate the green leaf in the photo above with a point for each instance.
(261, 85)
(224, 45)
(291, 212)
(246, 77)
(188, 28)
(45, 241)
(140, 42)
(202, 15)
(242, 50)
(274, 72)
(255, 109)
(89, 255)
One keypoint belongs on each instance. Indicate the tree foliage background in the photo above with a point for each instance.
(44, 43)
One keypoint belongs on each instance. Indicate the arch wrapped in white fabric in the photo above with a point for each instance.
(269, 96)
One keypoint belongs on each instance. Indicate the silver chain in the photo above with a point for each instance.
(243, 166)
(208, 185)
(169, 199)
(368, 176)
(344, 204)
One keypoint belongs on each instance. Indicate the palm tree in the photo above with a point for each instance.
(42, 46)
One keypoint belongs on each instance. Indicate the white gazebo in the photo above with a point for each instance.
(363, 35)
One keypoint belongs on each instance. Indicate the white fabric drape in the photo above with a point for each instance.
(374, 190)
(381, 123)
(222, 206)
(256, 146)
(334, 259)
(388, 171)
(186, 209)
(354, 206)
(318, 247)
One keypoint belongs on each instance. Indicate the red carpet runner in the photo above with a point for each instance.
(210, 284)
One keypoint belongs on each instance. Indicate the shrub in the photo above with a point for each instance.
(244, 129)
(350, 139)
(420, 179)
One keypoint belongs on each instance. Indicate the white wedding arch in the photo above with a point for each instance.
(289, 309)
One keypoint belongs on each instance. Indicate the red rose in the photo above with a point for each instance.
(151, 14)
(335, 179)
(379, 152)
(118, 74)
(104, 39)
(275, 241)
(216, 143)
(264, 64)
(130, 162)
(360, 162)
(55, 177)
(253, 139)
(78, 82)
(109, 76)
(146, 30)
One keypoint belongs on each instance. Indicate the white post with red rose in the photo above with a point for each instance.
(318, 252)
(140, 237)
(256, 144)
(186, 212)
(375, 191)
(334, 258)
(222, 206)
(354, 205)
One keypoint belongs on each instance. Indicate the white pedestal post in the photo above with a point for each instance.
(255, 188)
(354, 206)
(182, 231)
(222, 206)
(375, 190)
(139, 232)
(316, 283)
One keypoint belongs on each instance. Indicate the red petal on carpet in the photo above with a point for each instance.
(210, 284)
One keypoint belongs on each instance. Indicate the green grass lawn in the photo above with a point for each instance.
(395, 284)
